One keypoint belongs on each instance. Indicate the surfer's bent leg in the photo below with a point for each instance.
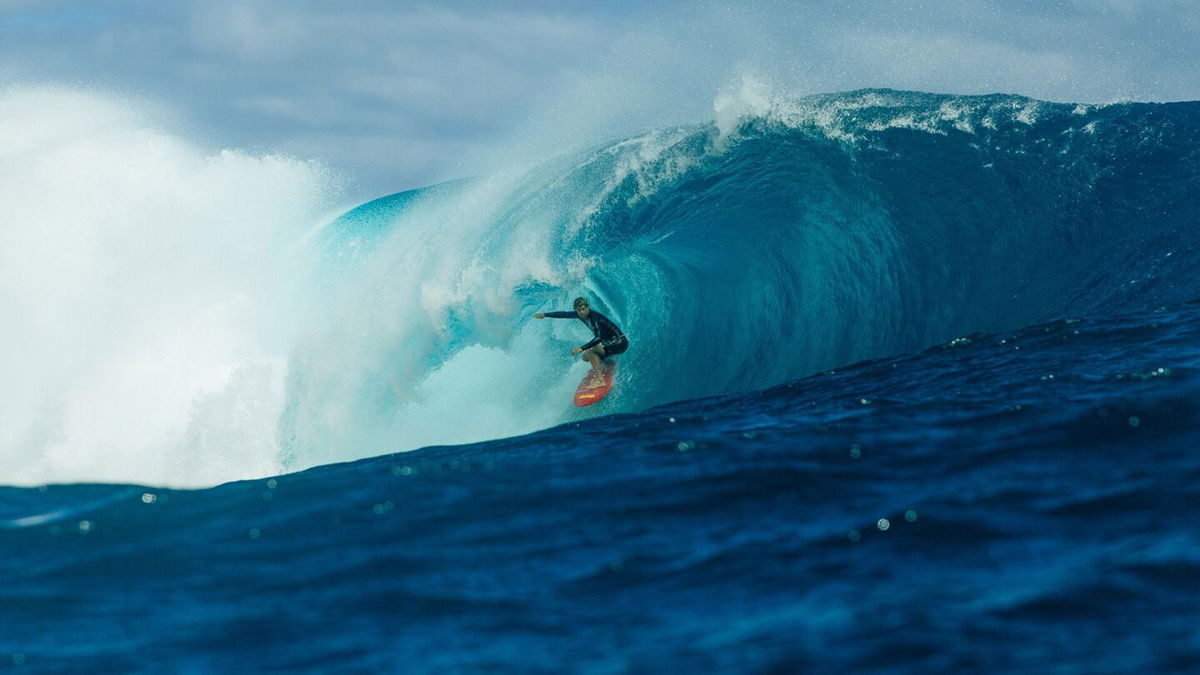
(594, 356)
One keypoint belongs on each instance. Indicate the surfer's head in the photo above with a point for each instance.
(581, 307)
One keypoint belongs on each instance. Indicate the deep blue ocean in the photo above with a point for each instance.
(913, 387)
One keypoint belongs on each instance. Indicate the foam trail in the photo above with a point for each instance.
(144, 283)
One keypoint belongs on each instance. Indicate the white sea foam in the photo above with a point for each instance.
(752, 97)
(144, 284)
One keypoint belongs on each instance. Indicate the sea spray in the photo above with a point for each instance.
(146, 286)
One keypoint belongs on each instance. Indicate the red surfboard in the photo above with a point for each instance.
(590, 391)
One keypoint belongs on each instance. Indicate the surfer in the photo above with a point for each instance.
(607, 340)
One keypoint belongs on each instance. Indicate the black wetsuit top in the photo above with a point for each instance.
(604, 330)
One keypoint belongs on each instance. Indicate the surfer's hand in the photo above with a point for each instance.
(539, 315)
(575, 351)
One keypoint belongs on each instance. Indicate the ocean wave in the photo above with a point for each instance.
(799, 236)
(223, 331)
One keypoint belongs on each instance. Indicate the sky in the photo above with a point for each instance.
(396, 95)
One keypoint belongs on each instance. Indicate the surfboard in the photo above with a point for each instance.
(590, 392)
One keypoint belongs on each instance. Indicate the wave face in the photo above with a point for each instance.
(739, 255)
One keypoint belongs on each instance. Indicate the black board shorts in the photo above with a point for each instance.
(617, 346)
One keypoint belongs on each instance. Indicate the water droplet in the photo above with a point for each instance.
(254, 533)
(149, 498)
(910, 516)
(854, 535)
(1134, 421)
(671, 420)
(855, 451)
(272, 484)
(86, 526)
(883, 524)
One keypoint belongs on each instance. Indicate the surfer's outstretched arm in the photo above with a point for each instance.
(556, 315)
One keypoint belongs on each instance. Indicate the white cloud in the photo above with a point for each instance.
(361, 81)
